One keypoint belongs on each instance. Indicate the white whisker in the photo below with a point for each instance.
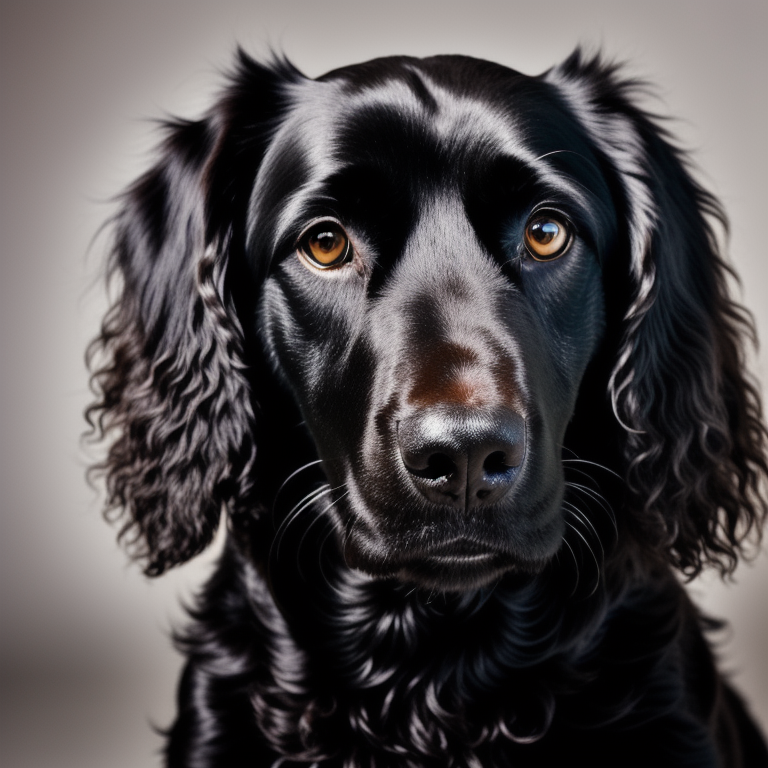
(594, 464)
(582, 518)
(296, 472)
(576, 564)
(320, 516)
(293, 515)
(591, 552)
(599, 499)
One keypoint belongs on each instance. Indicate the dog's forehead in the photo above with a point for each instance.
(413, 121)
(458, 102)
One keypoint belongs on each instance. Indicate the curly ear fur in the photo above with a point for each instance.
(171, 383)
(694, 436)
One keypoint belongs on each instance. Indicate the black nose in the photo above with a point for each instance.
(462, 457)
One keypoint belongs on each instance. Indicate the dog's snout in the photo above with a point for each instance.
(462, 457)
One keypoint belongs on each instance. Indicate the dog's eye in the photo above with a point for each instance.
(546, 237)
(325, 245)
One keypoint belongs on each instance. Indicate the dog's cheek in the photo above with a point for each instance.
(311, 332)
(567, 297)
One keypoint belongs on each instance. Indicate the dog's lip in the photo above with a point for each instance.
(459, 550)
(460, 559)
(455, 566)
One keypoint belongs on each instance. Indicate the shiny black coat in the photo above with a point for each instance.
(459, 470)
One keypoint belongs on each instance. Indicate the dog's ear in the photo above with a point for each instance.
(695, 441)
(169, 375)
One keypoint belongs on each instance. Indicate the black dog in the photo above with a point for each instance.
(478, 327)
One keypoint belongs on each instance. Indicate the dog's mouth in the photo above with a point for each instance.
(455, 566)
(459, 551)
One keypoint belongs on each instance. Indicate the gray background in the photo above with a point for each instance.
(85, 658)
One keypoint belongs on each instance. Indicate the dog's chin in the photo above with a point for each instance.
(452, 575)
(448, 574)
(444, 571)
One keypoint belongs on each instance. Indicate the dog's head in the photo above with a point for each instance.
(457, 272)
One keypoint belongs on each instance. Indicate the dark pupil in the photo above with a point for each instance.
(545, 232)
(327, 241)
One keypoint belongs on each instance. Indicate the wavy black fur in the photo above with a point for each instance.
(363, 614)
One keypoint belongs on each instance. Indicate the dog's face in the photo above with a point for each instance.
(433, 298)
(447, 265)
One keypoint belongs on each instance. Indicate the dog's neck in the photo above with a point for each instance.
(326, 640)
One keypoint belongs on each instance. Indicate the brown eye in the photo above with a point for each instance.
(546, 237)
(325, 245)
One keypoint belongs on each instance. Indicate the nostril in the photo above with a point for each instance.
(495, 464)
(438, 466)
